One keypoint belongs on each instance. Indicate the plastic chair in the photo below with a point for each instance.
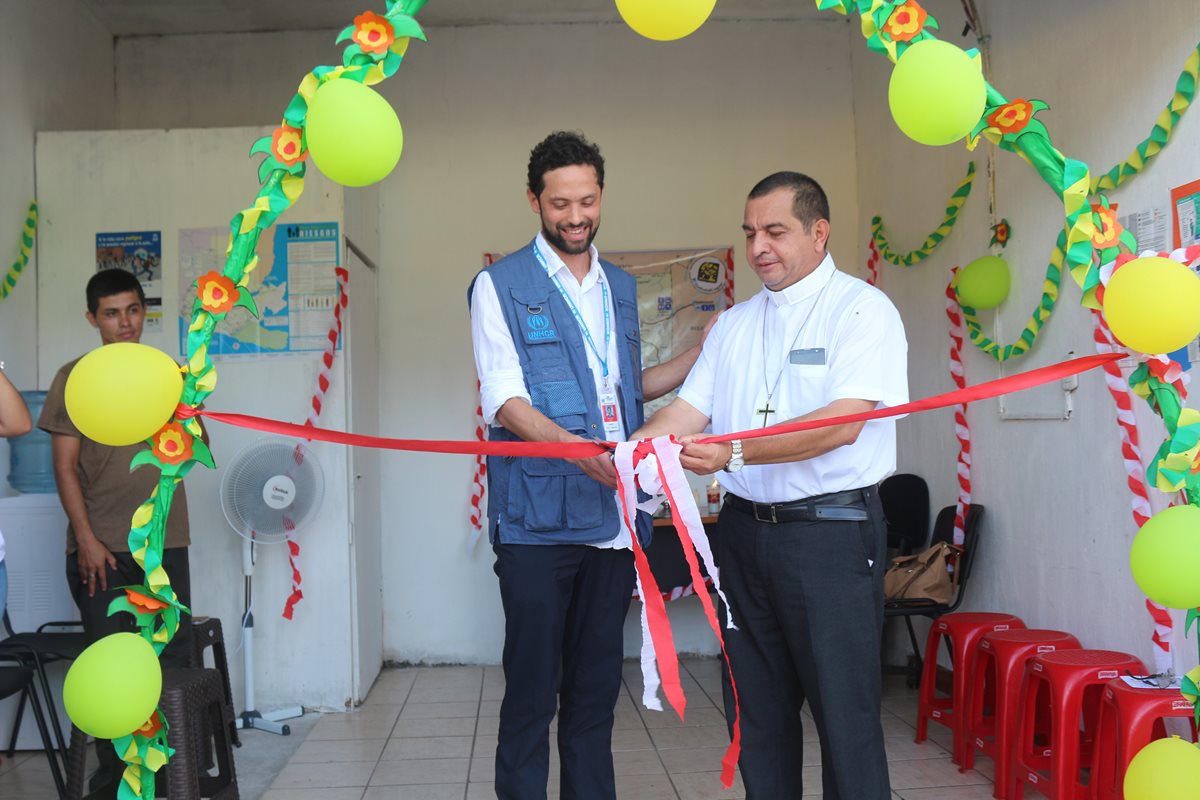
(18, 679)
(943, 531)
(996, 680)
(1069, 683)
(1130, 718)
(52, 641)
(905, 500)
(961, 632)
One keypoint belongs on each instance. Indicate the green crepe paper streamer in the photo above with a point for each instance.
(1165, 400)
(1189, 689)
(953, 206)
(1045, 307)
(151, 754)
(280, 186)
(26, 249)
(1160, 135)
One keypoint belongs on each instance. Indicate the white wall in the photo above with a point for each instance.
(167, 180)
(1058, 524)
(58, 65)
(687, 128)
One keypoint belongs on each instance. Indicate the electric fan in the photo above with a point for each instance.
(270, 488)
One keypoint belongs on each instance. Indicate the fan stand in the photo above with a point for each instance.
(251, 717)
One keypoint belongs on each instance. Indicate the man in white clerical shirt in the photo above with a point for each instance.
(801, 544)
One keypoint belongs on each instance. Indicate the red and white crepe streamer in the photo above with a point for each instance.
(961, 430)
(658, 647)
(479, 480)
(729, 279)
(873, 263)
(342, 276)
(1131, 455)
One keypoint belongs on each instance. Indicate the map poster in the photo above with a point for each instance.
(679, 290)
(138, 252)
(294, 286)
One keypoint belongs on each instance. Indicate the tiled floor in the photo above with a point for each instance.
(430, 734)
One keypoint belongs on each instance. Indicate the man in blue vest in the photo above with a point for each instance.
(558, 351)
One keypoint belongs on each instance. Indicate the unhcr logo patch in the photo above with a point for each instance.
(539, 329)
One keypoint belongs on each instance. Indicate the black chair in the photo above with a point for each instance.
(943, 531)
(905, 500)
(18, 679)
(52, 641)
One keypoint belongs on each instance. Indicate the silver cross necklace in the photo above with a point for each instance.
(766, 410)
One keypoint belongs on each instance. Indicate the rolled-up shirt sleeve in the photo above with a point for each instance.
(496, 360)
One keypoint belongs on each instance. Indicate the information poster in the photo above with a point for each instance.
(140, 253)
(678, 292)
(1185, 207)
(294, 287)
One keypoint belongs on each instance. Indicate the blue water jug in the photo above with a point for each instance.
(31, 465)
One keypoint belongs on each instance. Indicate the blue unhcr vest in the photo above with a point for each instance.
(550, 500)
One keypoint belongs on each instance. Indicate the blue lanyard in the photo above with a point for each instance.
(583, 328)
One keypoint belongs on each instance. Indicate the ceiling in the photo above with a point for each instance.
(165, 17)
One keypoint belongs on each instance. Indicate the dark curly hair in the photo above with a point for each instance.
(562, 149)
(809, 203)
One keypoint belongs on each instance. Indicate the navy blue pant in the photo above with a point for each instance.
(564, 613)
(807, 598)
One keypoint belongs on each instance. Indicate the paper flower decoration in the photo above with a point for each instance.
(151, 728)
(1107, 230)
(143, 603)
(373, 33)
(906, 21)
(172, 444)
(287, 145)
(216, 292)
(1001, 232)
(1011, 117)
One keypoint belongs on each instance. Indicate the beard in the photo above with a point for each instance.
(559, 242)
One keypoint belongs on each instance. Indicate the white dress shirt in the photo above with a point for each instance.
(500, 375)
(826, 337)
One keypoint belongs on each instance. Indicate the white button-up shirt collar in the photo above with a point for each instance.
(806, 287)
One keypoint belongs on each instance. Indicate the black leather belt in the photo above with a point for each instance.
(850, 505)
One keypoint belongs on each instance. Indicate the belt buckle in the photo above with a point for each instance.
(759, 518)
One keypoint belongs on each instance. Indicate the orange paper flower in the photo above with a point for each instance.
(217, 293)
(172, 444)
(287, 145)
(145, 604)
(151, 728)
(373, 33)
(1011, 117)
(1108, 231)
(906, 21)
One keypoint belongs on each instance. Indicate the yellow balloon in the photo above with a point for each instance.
(353, 133)
(113, 687)
(937, 92)
(122, 393)
(1152, 305)
(1165, 769)
(665, 20)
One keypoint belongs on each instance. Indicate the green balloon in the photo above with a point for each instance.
(353, 134)
(984, 283)
(1165, 557)
(113, 687)
(937, 92)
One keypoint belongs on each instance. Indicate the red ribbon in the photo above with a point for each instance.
(971, 394)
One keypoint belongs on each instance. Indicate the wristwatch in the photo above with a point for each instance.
(736, 461)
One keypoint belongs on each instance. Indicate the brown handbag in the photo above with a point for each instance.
(930, 576)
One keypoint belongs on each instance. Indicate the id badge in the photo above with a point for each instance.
(610, 413)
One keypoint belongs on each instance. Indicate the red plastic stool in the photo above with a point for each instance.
(996, 676)
(1069, 683)
(962, 630)
(1130, 718)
